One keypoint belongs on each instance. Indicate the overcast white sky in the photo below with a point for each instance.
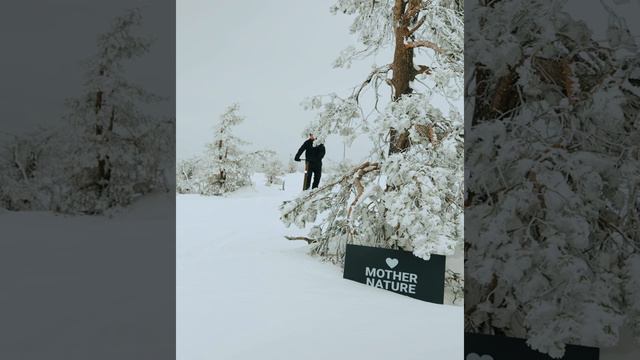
(268, 57)
(592, 12)
(265, 55)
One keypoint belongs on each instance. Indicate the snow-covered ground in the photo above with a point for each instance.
(244, 292)
(88, 287)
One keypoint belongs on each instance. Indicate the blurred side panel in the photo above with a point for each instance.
(87, 179)
(552, 171)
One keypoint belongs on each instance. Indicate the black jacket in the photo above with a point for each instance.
(314, 154)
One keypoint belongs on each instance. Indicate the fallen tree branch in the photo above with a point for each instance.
(368, 166)
(417, 26)
(330, 185)
(357, 182)
(309, 241)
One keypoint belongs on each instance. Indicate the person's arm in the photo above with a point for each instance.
(322, 151)
(302, 149)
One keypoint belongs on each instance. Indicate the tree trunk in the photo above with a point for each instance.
(102, 135)
(402, 67)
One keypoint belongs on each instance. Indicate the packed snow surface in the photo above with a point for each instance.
(245, 292)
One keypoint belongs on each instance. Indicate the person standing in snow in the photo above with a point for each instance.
(314, 154)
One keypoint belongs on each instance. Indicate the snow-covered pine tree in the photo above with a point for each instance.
(112, 139)
(226, 166)
(552, 247)
(409, 195)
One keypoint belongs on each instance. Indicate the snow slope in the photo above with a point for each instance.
(245, 292)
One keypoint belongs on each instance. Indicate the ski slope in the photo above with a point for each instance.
(244, 292)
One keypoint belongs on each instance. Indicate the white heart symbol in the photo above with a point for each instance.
(474, 356)
(392, 262)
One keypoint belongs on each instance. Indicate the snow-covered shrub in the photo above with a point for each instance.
(23, 161)
(187, 176)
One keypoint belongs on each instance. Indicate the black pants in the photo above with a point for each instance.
(314, 169)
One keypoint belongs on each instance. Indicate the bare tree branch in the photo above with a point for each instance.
(374, 74)
(308, 240)
(413, 10)
(423, 69)
(417, 26)
(424, 43)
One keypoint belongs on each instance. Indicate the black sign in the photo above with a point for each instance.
(397, 271)
(490, 347)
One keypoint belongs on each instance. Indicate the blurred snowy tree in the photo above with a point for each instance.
(25, 162)
(113, 146)
(553, 232)
(107, 153)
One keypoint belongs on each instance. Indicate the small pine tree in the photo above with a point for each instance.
(226, 166)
